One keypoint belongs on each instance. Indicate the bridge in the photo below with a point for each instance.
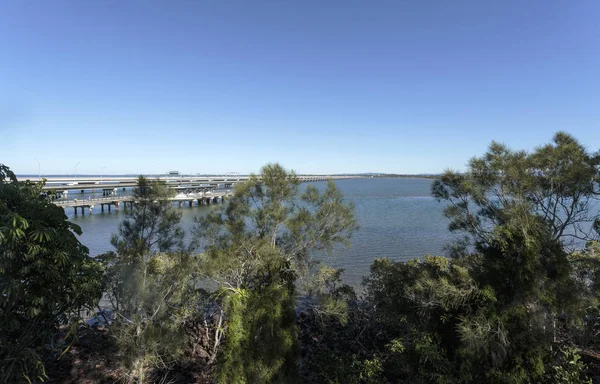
(108, 183)
(202, 198)
(202, 189)
(59, 186)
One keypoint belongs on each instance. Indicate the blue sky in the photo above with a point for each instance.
(319, 86)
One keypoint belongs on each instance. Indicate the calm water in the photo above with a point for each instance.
(398, 219)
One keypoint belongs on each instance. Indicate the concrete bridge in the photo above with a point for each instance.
(202, 198)
(203, 189)
(61, 184)
(70, 182)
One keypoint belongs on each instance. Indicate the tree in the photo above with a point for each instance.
(149, 281)
(489, 313)
(256, 248)
(46, 276)
(557, 182)
(521, 210)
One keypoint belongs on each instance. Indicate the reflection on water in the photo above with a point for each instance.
(398, 219)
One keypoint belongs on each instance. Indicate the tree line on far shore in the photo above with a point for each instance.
(516, 298)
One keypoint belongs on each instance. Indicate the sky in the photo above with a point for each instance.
(321, 87)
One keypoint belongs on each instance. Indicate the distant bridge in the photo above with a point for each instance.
(201, 189)
(109, 183)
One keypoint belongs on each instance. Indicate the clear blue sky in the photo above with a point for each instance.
(319, 86)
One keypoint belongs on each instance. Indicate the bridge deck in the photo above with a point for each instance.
(99, 182)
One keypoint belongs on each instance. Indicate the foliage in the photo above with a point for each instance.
(586, 270)
(256, 248)
(331, 294)
(152, 224)
(150, 282)
(354, 351)
(558, 182)
(261, 344)
(489, 313)
(46, 276)
(568, 369)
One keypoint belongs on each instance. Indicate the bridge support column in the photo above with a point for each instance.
(191, 203)
(116, 206)
(101, 207)
(91, 209)
(179, 204)
(75, 208)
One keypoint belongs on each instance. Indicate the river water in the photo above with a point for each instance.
(398, 219)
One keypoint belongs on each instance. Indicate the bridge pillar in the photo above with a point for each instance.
(91, 209)
(199, 202)
(191, 202)
(116, 203)
(101, 207)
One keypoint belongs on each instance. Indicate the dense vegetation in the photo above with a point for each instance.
(516, 300)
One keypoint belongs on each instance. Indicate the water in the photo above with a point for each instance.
(398, 219)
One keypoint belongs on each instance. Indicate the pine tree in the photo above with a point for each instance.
(256, 248)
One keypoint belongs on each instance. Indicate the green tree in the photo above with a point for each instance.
(149, 281)
(521, 211)
(46, 277)
(489, 314)
(558, 182)
(256, 248)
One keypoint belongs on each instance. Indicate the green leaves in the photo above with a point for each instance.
(150, 283)
(269, 210)
(46, 275)
(256, 247)
(557, 182)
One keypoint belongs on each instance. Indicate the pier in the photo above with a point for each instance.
(108, 203)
